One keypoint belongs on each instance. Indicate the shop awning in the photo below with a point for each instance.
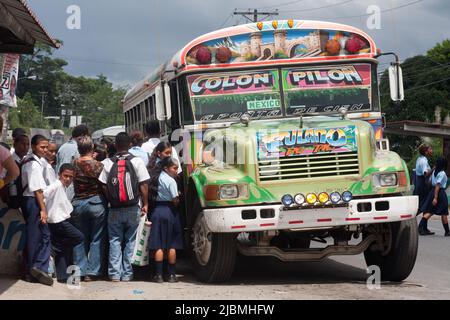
(20, 28)
(417, 128)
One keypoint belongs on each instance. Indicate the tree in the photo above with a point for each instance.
(26, 115)
(426, 88)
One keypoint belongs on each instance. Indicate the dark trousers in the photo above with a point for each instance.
(38, 237)
(64, 238)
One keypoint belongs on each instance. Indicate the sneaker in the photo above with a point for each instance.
(158, 278)
(172, 278)
(42, 276)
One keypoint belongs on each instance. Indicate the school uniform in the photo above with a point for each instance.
(166, 230)
(421, 187)
(122, 226)
(64, 236)
(151, 144)
(38, 235)
(441, 208)
(49, 173)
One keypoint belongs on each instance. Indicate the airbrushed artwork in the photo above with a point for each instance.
(304, 142)
(279, 40)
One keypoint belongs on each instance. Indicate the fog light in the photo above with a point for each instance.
(287, 200)
(335, 197)
(324, 197)
(299, 199)
(311, 198)
(347, 196)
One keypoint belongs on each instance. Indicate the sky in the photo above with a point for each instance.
(126, 40)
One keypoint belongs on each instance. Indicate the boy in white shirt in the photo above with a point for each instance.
(63, 234)
(35, 213)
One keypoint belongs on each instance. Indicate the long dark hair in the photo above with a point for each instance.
(154, 180)
(441, 165)
(159, 148)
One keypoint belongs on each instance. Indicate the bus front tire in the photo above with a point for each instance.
(214, 254)
(398, 263)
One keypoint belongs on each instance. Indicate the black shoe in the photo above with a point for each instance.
(42, 276)
(158, 278)
(29, 278)
(447, 234)
(172, 278)
(425, 232)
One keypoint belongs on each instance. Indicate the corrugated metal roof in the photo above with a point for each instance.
(20, 10)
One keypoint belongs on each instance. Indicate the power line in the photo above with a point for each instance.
(318, 8)
(421, 86)
(226, 20)
(282, 4)
(368, 14)
(255, 14)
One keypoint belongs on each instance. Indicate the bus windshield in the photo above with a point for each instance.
(276, 93)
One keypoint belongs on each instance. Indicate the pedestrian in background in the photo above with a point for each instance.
(153, 130)
(35, 213)
(64, 236)
(125, 182)
(89, 214)
(436, 201)
(423, 173)
(137, 139)
(68, 152)
(166, 233)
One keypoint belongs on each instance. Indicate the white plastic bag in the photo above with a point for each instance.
(140, 253)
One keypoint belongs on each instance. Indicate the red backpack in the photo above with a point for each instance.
(122, 183)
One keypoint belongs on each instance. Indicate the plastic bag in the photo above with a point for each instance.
(140, 253)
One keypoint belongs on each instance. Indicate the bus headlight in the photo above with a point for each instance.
(385, 180)
(347, 196)
(335, 197)
(287, 200)
(324, 197)
(299, 199)
(311, 198)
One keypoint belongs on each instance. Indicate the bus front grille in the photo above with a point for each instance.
(312, 166)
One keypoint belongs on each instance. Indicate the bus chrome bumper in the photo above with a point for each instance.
(276, 217)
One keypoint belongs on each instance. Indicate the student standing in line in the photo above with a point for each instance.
(89, 214)
(64, 236)
(35, 213)
(436, 202)
(166, 233)
(125, 183)
(137, 139)
(423, 172)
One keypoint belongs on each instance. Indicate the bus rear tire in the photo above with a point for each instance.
(398, 263)
(213, 254)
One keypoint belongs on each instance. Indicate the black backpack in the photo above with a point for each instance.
(15, 188)
(122, 183)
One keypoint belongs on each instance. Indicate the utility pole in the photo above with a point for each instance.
(255, 14)
(43, 94)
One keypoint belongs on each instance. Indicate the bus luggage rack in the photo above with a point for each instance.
(312, 166)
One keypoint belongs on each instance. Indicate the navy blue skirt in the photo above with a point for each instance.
(421, 189)
(166, 231)
(441, 209)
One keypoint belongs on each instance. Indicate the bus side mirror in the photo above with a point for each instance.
(163, 103)
(396, 83)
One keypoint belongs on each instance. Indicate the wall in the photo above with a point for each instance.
(12, 240)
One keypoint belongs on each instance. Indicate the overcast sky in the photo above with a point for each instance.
(125, 40)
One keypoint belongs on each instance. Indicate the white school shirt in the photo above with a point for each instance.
(138, 165)
(49, 172)
(151, 144)
(33, 176)
(58, 205)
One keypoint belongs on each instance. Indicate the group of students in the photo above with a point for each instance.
(69, 216)
(430, 185)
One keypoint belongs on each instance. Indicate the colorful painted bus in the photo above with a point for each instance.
(278, 124)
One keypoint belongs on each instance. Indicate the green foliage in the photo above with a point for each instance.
(26, 115)
(93, 98)
(422, 95)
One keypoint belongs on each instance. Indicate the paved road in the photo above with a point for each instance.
(334, 278)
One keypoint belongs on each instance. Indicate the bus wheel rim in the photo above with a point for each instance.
(201, 242)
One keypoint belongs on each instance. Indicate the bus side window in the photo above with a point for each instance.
(187, 116)
(175, 120)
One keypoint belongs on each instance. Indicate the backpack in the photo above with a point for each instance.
(15, 189)
(122, 183)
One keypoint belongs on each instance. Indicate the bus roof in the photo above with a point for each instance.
(265, 44)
